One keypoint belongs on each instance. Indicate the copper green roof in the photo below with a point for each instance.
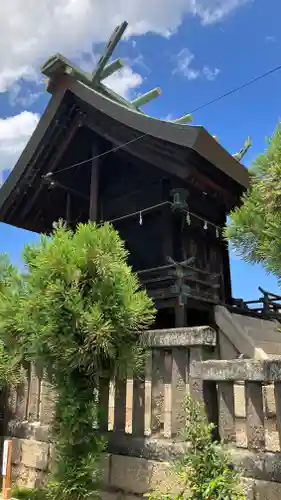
(58, 65)
(163, 143)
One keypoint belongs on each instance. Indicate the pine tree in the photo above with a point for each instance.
(255, 229)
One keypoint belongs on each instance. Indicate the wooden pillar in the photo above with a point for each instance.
(68, 209)
(94, 187)
(226, 293)
(180, 315)
(167, 223)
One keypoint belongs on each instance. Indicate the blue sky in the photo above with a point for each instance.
(215, 45)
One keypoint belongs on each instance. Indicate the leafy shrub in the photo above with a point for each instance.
(78, 312)
(11, 354)
(21, 493)
(205, 470)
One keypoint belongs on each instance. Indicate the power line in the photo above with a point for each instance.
(236, 89)
(112, 150)
(208, 103)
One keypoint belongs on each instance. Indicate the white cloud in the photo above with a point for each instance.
(270, 39)
(22, 95)
(213, 11)
(16, 130)
(184, 61)
(124, 82)
(210, 74)
(14, 134)
(30, 34)
(169, 117)
(137, 61)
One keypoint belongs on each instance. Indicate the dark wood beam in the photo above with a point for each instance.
(68, 208)
(139, 148)
(53, 163)
(94, 187)
(146, 149)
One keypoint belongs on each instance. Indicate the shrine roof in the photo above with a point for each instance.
(64, 80)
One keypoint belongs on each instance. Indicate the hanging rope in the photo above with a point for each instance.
(139, 213)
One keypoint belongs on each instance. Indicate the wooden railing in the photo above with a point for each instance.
(268, 305)
(184, 280)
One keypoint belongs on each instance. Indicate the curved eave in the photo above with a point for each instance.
(189, 136)
(193, 137)
(31, 148)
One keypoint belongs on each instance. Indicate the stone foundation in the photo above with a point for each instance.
(127, 476)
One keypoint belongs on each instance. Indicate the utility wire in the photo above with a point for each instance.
(112, 150)
(208, 103)
(236, 89)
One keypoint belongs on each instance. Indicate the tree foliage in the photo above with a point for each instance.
(78, 312)
(255, 229)
(11, 370)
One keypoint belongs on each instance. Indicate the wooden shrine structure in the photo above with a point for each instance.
(167, 186)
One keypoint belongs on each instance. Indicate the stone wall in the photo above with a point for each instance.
(129, 477)
(31, 454)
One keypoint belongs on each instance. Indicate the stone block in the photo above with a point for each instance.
(269, 401)
(251, 370)
(117, 495)
(164, 479)
(138, 475)
(51, 460)
(16, 451)
(249, 488)
(265, 490)
(239, 401)
(29, 430)
(27, 477)
(180, 337)
(35, 454)
(105, 468)
(226, 347)
(130, 474)
(110, 495)
(41, 432)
